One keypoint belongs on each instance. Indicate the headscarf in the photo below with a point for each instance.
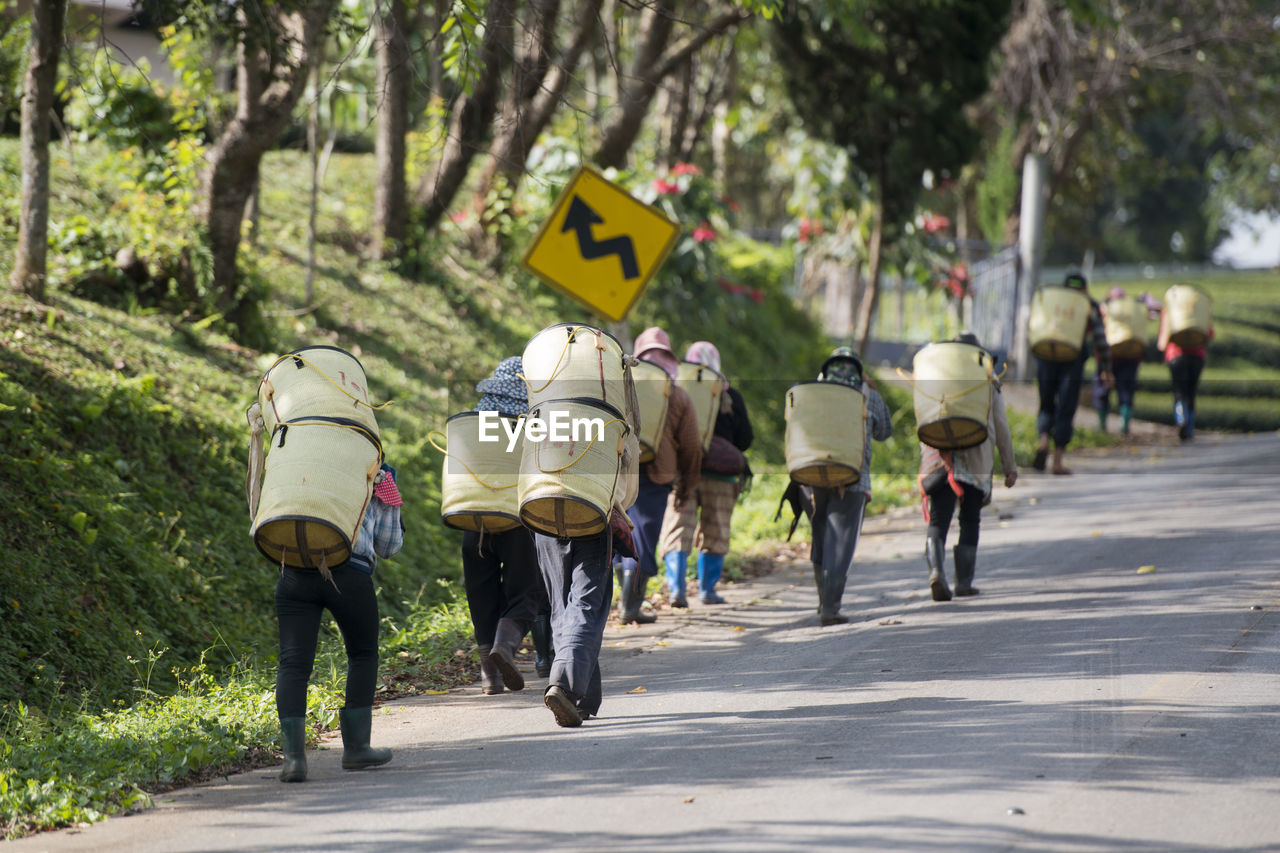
(704, 353)
(842, 366)
(504, 392)
(654, 345)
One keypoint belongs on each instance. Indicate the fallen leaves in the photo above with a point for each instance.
(640, 689)
(1146, 570)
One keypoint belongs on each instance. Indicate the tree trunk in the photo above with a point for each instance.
(871, 298)
(677, 113)
(648, 68)
(721, 131)
(472, 118)
(262, 112)
(390, 195)
(524, 120)
(30, 263)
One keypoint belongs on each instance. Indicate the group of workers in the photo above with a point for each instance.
(560, 590)
(1060, 382)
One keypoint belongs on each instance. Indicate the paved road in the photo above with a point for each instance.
(1077, 704)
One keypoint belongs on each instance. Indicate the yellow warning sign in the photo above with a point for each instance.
(601, 245)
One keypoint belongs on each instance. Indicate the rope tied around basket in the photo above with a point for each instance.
(621, 444)
(431, 440)
(295, 357)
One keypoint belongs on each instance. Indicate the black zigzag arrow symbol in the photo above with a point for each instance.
(580, 219)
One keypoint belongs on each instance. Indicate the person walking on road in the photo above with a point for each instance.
(1124, 373)
(347, 592)
(1185, 366)
(674, 474)
(579, 578)
(703, 522)
(838, 512)
(948, 477)
(505, 592)
(1060, 381)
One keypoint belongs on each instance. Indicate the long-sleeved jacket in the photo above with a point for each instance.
(678, 457)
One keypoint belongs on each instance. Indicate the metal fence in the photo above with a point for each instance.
(991, 312)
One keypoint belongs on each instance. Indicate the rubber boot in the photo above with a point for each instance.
(506, 639)
(490, 675)
(293, 742)
(832, 597)
(356, 724)
(710, 567)
(1103, 411)
(935, 554)
(677, 563)
(630, 595)
(966, 560)
(1126, 415)
(543, 652)
(1190, 426)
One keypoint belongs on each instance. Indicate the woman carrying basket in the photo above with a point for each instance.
(948, 477)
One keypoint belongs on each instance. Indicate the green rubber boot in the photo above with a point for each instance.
(356, 724)
(293, 742)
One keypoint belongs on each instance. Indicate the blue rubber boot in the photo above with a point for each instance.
(710, 566)
(677, 564)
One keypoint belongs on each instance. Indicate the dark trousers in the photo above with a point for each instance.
(646, 514)
(301, 597)
(500, 575)
(1184, 371)
(579, 582)
(1059, 383)
(837, 521)
(1125, 371)
(942, 506)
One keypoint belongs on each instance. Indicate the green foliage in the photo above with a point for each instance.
(888, 80)
(81, 767)
(998, 188)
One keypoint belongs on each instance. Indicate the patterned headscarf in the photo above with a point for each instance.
(504, 392)
(704, 353)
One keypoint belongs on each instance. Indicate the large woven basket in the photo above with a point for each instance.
(317, 381)
(826, 433)
(951, 391)
(571, 361)
(478, 487)
(315, 488)
(704, 386)
(1059, 316)
(568, 488)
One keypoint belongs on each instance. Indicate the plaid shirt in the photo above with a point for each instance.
(381, 535)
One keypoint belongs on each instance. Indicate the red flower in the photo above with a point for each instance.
(704, 233)
(684, 169)
(809, 229)
(665, 187)
(935, 222)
